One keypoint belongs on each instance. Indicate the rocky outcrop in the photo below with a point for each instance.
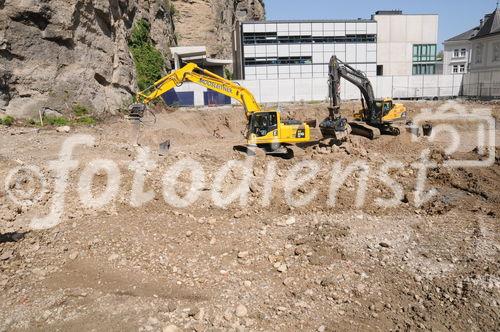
(212, 22)
(55, 53)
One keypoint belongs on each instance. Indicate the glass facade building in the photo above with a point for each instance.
(302, 49)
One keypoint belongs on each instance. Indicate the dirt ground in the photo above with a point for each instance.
(324, 266)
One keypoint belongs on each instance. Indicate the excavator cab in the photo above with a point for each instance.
(262, 123)
(392, 111)
(267, 128)
(386, 107)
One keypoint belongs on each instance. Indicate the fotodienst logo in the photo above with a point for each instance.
(462, 128)
(454, 129)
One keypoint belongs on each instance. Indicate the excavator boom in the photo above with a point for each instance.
(191, 72)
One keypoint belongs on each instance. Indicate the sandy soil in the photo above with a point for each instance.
(317, 267)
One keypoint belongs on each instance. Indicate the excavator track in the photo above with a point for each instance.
(282, 151)
(364, 129)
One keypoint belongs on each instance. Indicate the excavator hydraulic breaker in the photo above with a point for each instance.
(136, 111)
(332, 127)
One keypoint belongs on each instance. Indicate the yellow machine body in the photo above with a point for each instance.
(391, 112)
(265, 127)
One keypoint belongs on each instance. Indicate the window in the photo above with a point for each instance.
(461, 69)
(456, 53)
(455, 69)
(463, 52)
(273, 38)
(424, 69)
(380, 70)
(424, 53)
(291, 60)
(479, 54)
(496, 52)
(387, 106)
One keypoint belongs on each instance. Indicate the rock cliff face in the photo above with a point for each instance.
(211, 22)
(55, 53)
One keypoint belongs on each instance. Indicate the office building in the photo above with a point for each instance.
(390, 43)
(406, 43)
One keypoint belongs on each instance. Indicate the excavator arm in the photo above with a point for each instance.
(192, 73)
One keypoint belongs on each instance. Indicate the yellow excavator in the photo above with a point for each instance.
(377, 116)
(265, 128)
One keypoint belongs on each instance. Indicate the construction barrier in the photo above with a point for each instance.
(316, 89)
(482, 85)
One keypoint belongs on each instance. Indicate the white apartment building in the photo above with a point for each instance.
(406, 44)
(457, 53)
(391, 43)
(476, 50)
(485, 45)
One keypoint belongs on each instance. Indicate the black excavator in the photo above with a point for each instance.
(377, 115)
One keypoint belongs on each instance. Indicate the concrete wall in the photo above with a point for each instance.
(316, 89)
(396, 36)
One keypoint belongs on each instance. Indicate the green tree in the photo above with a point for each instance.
(149, 62)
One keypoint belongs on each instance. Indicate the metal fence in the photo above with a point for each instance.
(485, 85)
(482, 85)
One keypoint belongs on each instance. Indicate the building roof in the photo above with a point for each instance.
(389, 12)
(464, 36)
(359, 20)
(490, 26)
(197, 54)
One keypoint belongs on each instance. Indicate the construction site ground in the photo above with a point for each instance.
(318, 267)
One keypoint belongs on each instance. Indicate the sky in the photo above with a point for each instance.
(455, 16)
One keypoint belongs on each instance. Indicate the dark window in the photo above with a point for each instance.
(380, 70)
(273, 38)
(290, 60)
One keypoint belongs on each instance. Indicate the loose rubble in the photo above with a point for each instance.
(157, 267)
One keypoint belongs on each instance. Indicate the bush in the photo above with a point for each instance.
(173, 10)
(80, 110)
(86, 120)
(56, 121)
(7, 121)
(228, 74)
(149, 62)
(140, 34)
